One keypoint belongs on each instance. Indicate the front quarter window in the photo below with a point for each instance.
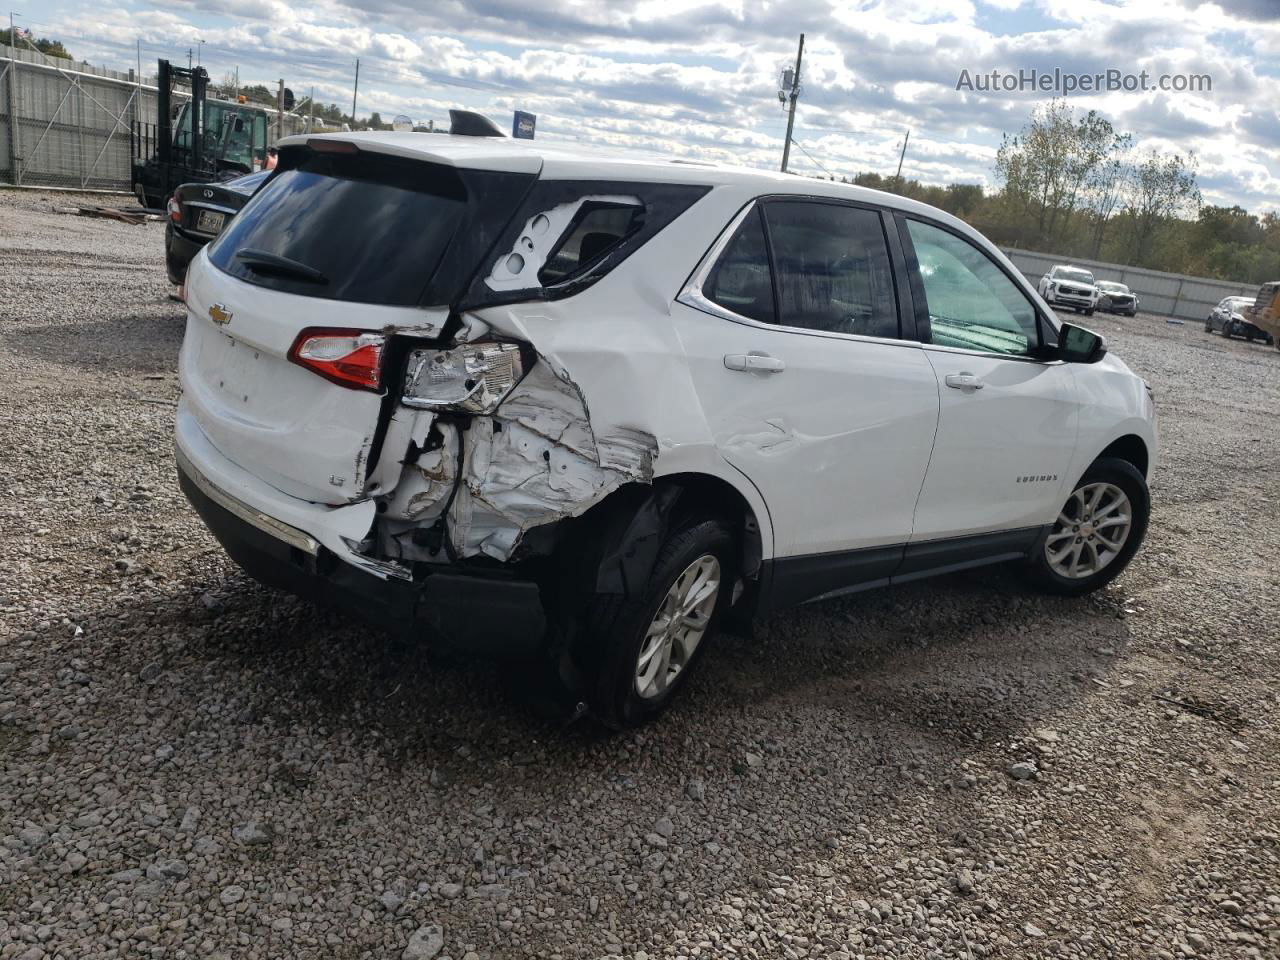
(973, 305)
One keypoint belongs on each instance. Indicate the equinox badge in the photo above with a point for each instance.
(219, 315)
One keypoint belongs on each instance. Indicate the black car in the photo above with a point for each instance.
(1229, 317)
(1116, 298)
(198, 212)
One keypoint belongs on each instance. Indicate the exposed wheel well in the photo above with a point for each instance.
(708, 495)
(1130, 448)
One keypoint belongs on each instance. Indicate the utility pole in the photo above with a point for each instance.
(237, 81)
(199, 52)
(311, 121)
(897, 177)
(791, 111)
(280, 110)
(15, 151)
(189, 58)
(355, 90)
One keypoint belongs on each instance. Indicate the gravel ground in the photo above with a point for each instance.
(194, 766)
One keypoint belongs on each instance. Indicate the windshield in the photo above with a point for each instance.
(1079, 276)
(233, 135)
(1239, 303)
(1110, 287)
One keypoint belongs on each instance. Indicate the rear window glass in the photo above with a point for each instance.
(362, 227)
(597, 229)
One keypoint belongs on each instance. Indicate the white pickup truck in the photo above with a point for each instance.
(1072, 287)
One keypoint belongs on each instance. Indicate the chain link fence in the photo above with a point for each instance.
(71, 125)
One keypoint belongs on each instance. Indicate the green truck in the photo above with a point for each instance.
(203, 140)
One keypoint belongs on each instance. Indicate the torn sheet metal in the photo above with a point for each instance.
(425, 484)
(539, 461)
(518, 269)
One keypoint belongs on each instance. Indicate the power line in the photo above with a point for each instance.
(813, 158)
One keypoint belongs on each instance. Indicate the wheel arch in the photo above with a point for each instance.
(1130, 448)
(616, 542)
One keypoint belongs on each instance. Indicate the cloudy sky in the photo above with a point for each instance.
(698, 78)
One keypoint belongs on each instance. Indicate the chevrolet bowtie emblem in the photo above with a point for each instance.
(219, 315)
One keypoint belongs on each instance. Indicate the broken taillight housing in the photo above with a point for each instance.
(350, 358)
(473, 378)
(175, 209)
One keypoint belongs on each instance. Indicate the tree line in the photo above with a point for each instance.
(1071, 184)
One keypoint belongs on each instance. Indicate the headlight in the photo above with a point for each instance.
(474, 378)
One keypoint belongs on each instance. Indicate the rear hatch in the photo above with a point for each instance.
(342, 241)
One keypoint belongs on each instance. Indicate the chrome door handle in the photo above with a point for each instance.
(964, 381)
(754, 363)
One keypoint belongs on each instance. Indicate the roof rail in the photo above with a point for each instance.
(468, 123)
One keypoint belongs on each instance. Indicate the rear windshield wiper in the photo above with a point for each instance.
(263, 261)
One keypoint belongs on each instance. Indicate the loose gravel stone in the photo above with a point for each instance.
(231, 895)
(1022, 770)
(253, 834)
(425, 943)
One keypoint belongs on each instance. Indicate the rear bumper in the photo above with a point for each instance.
(179, 251)
(479, 614)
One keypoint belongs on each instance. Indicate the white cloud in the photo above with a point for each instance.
(698, 77)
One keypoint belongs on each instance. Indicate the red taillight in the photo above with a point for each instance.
(350, 358)
(175, 209)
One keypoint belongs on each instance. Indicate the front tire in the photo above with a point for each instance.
(640, 651)
(1097, 532)
(1089, 312)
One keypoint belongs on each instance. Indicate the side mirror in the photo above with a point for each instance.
(1078, 345)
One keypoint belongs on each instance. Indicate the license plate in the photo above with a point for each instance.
(210, 222)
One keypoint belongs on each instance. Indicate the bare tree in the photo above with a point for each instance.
(1106, 186)
(1048, 167)
(1161, 186)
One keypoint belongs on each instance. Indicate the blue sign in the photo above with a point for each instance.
(522, 125)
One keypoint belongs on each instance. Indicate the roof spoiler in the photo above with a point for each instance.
(468, 123)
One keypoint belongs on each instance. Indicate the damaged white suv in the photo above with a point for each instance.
(519, 398)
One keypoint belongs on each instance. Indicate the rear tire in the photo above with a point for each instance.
(1098, 530)
(1089, 312)
(639, 652)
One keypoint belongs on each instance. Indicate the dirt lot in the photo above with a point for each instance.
(193, 766)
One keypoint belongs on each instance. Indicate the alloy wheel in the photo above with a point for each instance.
(1090, 531)
(678, 627)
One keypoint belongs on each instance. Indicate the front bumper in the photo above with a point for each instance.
(1070, 300)
(484, 613)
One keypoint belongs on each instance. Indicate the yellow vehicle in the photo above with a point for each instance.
(1265, 312)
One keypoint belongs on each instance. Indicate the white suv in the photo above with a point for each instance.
(1072, 287)
(519, 398)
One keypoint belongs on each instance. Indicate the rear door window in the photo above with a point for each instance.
(831, 262)
(366, 227)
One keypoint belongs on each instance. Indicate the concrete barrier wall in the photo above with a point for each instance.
(1167, 294)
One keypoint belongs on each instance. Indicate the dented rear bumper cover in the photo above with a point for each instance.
(472, 612)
